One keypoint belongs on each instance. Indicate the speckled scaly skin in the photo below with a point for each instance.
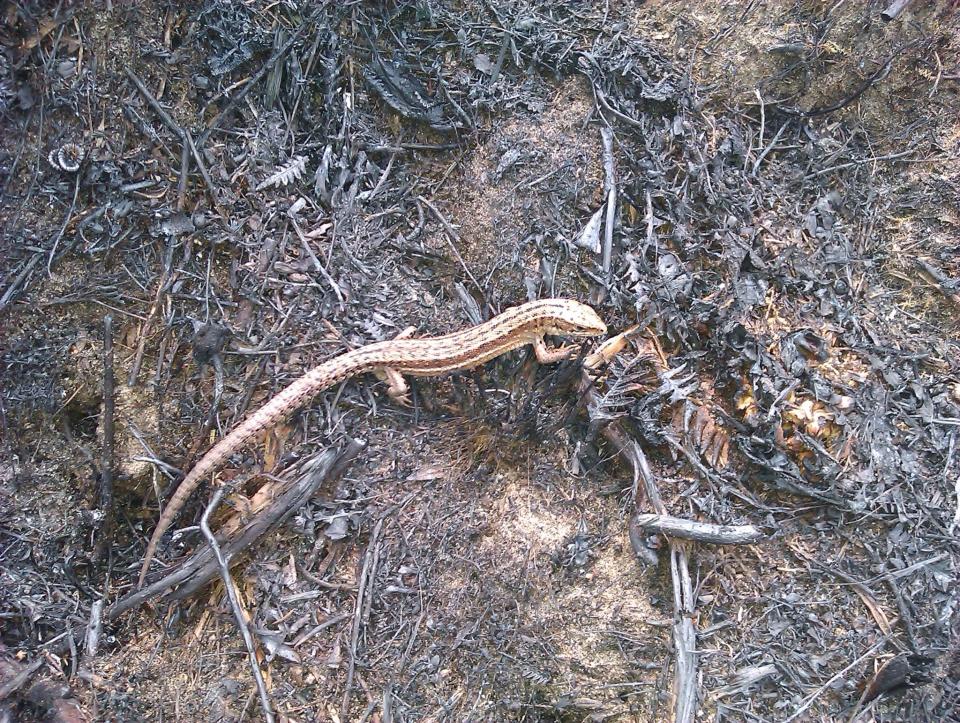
(431, 356)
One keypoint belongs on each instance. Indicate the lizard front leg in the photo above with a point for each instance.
(546, 355)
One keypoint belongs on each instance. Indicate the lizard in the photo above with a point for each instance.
(390, 360)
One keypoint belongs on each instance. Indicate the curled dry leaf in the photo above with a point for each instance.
(589, 237)
(899, 672)
(320, 231)
(810, 415)
(277, 646)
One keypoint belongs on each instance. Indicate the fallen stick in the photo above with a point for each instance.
(699, 531)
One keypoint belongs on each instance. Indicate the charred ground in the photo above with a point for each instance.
(248, 189)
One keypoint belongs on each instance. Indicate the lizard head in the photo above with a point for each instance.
(571, 318)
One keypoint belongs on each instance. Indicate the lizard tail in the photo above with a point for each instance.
(277, 409)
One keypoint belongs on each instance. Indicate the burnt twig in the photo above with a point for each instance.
(187, 145)
(200, 165)
(106, 451)
(154, 103)
(175, 127)
(91, 640)
(318, 267)
(202, 567)
(834, 678)
(894, 9)
(610, 189)
(684, 600)
(63, 227)
(882, 72)
(251, 84)
(11, 290)
(166, 279)
(684, 636)
(184, 172)
(238, 612)
(367, 576)
(766, 151)
(452, 236)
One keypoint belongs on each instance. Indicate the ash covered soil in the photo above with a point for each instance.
(766, 194)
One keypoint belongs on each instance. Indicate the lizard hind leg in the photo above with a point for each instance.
(398, 388)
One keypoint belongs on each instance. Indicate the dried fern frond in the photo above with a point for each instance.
(677, 384)
(626, 381)
(287, 174)
(696, 425)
